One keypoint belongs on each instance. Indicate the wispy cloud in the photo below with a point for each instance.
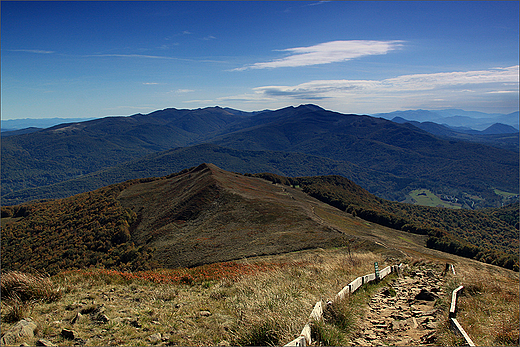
(134, 56)
(443, 89)
(145, 56)
(328, 52)
(182, 91)
(38, 51)
(317, 3)
(471, 80)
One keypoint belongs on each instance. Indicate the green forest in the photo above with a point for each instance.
(87, 229)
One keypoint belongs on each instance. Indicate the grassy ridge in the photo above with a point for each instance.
(240, 217)
(489, 235)
(197, 216)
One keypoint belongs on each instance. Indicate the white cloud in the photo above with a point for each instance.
(38, 51)
(317, 3)
(471, 80)
(430, 81)
(181, 91)
(328, 52)
(446, 89)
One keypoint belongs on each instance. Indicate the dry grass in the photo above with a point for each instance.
(268, 306)
(488, 309)
(21, 291)
(26, 287)
(258, 301)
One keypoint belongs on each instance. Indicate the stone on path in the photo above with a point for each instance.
(155, 338)
(426, 295)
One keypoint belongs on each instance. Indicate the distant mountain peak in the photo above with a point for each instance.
(310, 107)
(500, 128)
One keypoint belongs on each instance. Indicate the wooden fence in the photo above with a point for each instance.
(455, 325)
(305, 337)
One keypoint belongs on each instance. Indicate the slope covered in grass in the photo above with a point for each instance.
(489, 235)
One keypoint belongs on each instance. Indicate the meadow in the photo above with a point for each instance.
(257, 301)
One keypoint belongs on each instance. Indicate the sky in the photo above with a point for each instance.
(94, 59)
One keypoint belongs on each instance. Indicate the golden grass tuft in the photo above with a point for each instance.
(20, 291)
(25, 287)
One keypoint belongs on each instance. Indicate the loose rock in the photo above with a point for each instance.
(102, 318)
(155, 338)
(21, 331)
(46, 343)
(426, 295)
(77, 318)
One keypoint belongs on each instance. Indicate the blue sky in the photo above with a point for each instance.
(93, 59)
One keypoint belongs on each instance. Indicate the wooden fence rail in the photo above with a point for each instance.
(455, 325)
(305, 337)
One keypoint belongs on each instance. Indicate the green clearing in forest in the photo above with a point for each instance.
(424, 197)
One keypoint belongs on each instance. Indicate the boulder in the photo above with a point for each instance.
(21, 331)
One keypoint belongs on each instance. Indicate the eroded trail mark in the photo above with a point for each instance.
(404, 312)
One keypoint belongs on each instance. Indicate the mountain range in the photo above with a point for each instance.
(8, 125)
(386, 157)
(456, 118)
(497, 135)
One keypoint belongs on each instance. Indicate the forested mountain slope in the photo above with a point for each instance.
(404, 156)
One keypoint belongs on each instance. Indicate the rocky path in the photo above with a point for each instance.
(404, 313)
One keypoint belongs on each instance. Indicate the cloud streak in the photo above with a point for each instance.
(37, 51)
(488, 80)
(445, 89)
(328, 52)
